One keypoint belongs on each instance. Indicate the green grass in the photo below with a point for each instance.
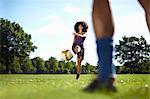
(66, 87)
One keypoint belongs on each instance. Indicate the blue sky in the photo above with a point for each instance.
(50, 22)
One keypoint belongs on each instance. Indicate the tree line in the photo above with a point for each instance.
(37, 65)
(15, 47)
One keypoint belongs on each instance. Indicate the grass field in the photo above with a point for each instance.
(66, 87)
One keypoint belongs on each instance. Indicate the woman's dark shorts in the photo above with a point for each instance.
(79, 54)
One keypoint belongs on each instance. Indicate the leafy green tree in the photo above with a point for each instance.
(67, 67)
(13, 42)
(47, 66)
(131, 52)
(89, 68)
(53, 64)
(15, 66)
(83, 70)
(27, 66)
(145, 67)
(2, 68)
(61, 65)
(39, 64)
(72, 67)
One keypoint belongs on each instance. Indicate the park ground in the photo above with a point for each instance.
(54, 86)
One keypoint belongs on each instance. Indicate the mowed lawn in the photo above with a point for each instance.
(66, 87)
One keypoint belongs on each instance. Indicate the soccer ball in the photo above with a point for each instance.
(66, 55)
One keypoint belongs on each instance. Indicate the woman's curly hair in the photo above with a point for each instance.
(85, 26)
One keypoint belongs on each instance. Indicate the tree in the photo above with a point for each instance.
(145, 67)
(87, 68)
(27, 66)
(2, 68)
(53, 64)
(14, 42)
(47, 66)
(131, 52)
(72, 67)
(66, 67)
(39, 64)
(61, 65)
(15, 66)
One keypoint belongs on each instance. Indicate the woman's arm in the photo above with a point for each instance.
(82, 35)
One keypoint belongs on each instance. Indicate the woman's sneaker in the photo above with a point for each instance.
(77, 76)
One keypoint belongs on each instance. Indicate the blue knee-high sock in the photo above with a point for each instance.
(105, 51)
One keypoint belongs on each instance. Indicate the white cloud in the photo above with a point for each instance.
(53, 17)
(70, 8)
(53, 29)
(132, 24)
